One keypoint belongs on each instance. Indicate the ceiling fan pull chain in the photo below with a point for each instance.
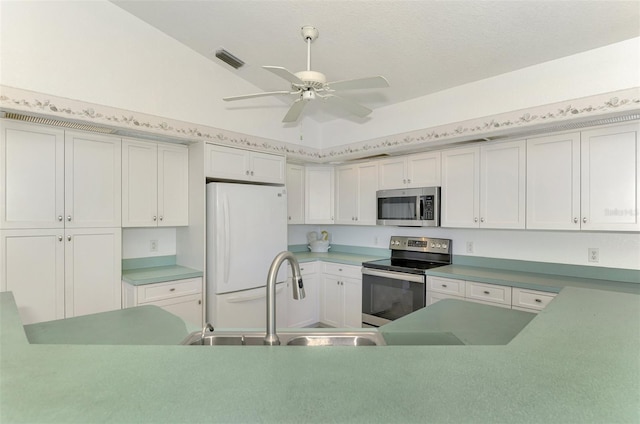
(309, 53)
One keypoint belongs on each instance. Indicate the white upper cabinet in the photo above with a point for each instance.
(319, 194)
(228, 163)
(92, 180)
(584, 181)
(295, 194)
(155, 182)
(31, 176)
(553, 182)
(609, 178)
(484, 187)
(417, 170)
(502, 185)
(356, 187)
(55, 179)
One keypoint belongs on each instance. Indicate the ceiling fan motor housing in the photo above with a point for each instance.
(312, 79)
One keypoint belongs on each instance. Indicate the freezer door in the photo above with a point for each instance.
(247, 309)
(246, 229)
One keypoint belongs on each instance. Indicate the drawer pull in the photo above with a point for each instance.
(486, 292)
(444, 286)
(172, 289)
(538, 301)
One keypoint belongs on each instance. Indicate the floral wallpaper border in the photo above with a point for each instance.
(511, 123)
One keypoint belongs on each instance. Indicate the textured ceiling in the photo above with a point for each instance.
(421, 47)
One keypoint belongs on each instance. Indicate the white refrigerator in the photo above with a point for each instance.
(246, 229)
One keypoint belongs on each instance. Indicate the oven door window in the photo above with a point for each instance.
(391, 298)
(403, 208)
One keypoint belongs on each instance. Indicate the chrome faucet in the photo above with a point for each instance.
(271, 337)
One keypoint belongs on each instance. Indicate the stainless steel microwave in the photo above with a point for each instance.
(409, 207)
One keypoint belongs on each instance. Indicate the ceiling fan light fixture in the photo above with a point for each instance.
(308, 95)
(228, 58)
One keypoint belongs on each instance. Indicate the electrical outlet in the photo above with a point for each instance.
(153, 246)
(594, 254)
(469, 247)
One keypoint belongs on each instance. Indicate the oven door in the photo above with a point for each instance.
(388, 295)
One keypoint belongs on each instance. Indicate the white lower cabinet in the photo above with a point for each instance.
(341, 295)
(530, 300)
(57, 273)
(439, 288)
(180, 297)
(304, 312)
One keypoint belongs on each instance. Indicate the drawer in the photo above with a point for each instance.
(159, 291)
(531, 299)
(488, 293)
(446, 286)
(306, 268)
(342, 270)
(433, 297)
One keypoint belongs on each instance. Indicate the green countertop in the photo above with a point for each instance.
(336, 257)
(578, 361)
(455, 322)
(158, 274)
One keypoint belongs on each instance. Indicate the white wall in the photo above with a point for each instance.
(94, 51)
(607, 69)
(617, 250)
(136, 242)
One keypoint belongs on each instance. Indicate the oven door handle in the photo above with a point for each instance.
(394, 275)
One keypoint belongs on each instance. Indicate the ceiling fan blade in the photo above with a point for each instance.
(284, 73)
(350, 105)
(359, 83)
(250, 96)
(294, 111)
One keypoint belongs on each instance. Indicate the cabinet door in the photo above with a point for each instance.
(392, 173)
(92, 271)
(352, 300)
(295, 194)
(267, 168)
(610, 180)
(423, 170)
(227, 163)
(31, 176)
(139, 184)
(319, 192)
(173, 185)
(304, 312)
(502, 185)
(460, 187)
(32, 267)
(188, 308)
(331, 301)
(346, 194)
(553, 182)
(92, 180)
(367, 187)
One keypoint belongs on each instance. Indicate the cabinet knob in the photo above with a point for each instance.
(161, 217)
(475, 219)
(172, 289)
(68, 238)
(575, 220)
(199, 302)
(155, 218)
(486, 292)
(538, 301)
(59, 238)
(251, 172)
(404, 181)
(356, 218)
(481, 219)
(289, 218)
(60, 218)
(247, 173)
(409, 181)
(584, 220)
(444, 286)
(69, 218)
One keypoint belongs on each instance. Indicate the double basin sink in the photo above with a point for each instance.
(307, 337)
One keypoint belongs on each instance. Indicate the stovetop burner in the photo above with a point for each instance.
(414, 255)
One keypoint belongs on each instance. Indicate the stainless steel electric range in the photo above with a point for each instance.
(395, 287)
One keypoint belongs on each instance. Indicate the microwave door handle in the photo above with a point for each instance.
(421, 203)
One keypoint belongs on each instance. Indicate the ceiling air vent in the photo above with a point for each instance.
(57, 123)
(228, 58)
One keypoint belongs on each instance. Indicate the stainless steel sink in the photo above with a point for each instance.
(287, 338)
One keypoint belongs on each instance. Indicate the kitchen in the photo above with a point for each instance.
(20, 71)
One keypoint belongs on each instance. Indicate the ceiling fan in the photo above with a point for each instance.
(309, 85)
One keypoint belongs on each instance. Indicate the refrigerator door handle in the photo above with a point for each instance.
(248, 298)
(225, 237)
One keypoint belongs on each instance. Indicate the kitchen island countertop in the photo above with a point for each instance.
(577, 361)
